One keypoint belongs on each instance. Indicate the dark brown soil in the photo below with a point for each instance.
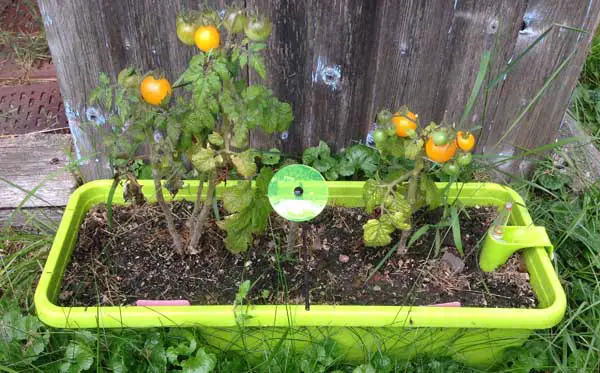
(136, 262)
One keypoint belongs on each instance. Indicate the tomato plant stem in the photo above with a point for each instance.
(198, 223)
(411, 197)
(160, 198)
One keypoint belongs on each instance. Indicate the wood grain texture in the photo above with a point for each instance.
(339, 62)
(87, 37)
(37, 219)
(318, 60)
(541, 124)
(35, 163)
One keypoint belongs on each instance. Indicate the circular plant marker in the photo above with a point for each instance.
(298, 192)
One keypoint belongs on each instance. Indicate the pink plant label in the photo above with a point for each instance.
(155, 303)
(449, 304)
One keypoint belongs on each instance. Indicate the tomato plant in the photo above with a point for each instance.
(202, 134)
(403, 181)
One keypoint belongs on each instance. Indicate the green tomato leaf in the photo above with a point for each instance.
(237, 197)
(430, 192)
(257, 63)
(240, 137)
(399, 219)
(262, 181)
(216, 139)
(206, 160)
(243, 60)
(252, 218)
(373, 195)
(377, 232)
(154, 348)
(392, 145)
(244, 163)
(220, 67)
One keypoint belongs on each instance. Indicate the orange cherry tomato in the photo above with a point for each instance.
(440, 153)
(404, 122)
(465, 140)
(155, 91)
(207, 38)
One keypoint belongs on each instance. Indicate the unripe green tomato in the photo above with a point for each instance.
(450, 168)
(464, 159)
(235, 21)
(258, 29)
(186, 30)
(379, 136)
(384, 117)
(390, 131)
(440, 138)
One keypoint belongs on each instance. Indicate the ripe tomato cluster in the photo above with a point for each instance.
(441, 144)
(201, 29)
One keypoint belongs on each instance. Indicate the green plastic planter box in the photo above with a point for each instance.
(475, 336)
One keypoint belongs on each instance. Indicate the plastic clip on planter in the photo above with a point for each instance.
(497, 250)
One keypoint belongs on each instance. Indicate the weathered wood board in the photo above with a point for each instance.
(35, 165)
(339, 62)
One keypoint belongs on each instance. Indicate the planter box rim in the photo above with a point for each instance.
(544, 280)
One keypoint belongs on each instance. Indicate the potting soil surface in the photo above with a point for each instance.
(136, 261)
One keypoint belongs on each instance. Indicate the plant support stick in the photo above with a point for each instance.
(291, 238)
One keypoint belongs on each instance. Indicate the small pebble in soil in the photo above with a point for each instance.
(343, 258)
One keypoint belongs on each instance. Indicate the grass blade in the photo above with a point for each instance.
(382, 261)
(456, 230)
(537, 96)
(515, 61)
(483, 68)
(421, 231)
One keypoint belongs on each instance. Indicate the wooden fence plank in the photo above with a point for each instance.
(339, 62)
(318, 61)
(541, 124)
(87, 37)
(35, 162)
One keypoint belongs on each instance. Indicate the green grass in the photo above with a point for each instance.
(26, 49)
(585, 104)
(572, 220)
